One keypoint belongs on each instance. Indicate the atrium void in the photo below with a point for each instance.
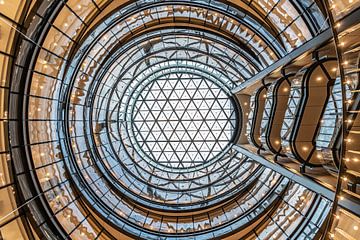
(184, 119)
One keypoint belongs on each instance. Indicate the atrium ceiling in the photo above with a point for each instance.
(154, 119)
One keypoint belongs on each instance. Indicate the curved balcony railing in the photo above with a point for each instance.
(275, 106)
(256, 113)
(310, 91)
(327, 148)
(300, 215)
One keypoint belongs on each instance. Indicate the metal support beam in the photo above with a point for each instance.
(310, 45)
(350, 202)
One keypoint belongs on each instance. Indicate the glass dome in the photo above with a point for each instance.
(181, 120)
(164, 119)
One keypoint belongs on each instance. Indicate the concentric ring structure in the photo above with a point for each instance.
(204, 119)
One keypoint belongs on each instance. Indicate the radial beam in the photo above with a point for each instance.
(349, 202)
(312, 44)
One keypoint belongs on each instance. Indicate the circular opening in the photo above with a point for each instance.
(182, 120)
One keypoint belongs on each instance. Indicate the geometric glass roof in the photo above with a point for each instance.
(182, 120)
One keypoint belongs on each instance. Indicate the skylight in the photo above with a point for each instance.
(182, 120)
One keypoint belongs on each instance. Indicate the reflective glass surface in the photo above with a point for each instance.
(181, 120)
(118, 120)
